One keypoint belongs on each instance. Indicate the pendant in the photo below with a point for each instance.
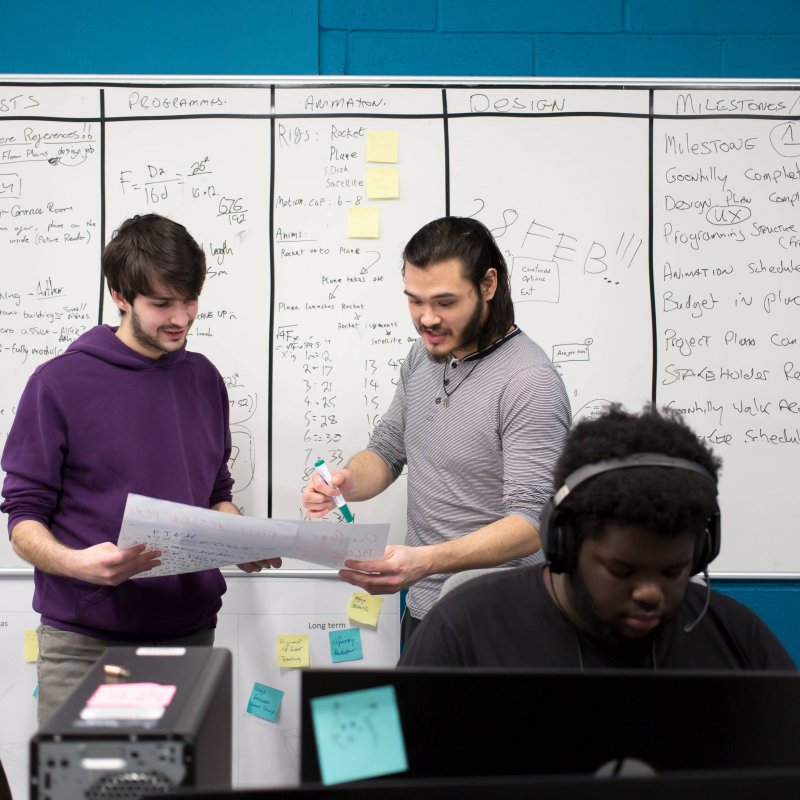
(445, 401)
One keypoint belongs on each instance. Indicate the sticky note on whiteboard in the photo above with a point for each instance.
(294, 651)
(363, 222)
(383, 183)
(345, 645)
(364, 608)
(383, 146)
(31, 647)
(265, 702)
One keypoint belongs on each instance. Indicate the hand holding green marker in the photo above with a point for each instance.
(322, 468)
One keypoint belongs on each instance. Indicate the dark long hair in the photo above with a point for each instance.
(473, 245)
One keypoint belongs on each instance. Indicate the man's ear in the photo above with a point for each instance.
(489, 284)
(122, 304)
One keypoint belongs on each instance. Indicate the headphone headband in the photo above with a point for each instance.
(559, 540)
(587, 471)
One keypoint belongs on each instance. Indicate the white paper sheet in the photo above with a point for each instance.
(192, 539)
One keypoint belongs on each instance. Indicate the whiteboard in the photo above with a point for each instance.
(256, 610)
(651, 229)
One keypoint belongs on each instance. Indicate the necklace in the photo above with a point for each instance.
(445, 401)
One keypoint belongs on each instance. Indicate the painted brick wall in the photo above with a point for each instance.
(570, 38)
(160, 37)
(589, 38)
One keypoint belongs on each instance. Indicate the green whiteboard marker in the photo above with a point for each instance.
(322, 468)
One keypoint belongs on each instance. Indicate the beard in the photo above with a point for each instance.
(469, 334)
(585, 610)
(144, 338)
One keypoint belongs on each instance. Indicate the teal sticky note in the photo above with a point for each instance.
(265, 702)
(358, 735)
(346, 645)
(36, 690)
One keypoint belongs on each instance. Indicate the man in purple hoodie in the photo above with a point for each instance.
(124, 409)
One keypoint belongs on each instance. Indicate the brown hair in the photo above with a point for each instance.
(149, 249)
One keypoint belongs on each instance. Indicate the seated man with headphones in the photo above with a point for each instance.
(635, 518)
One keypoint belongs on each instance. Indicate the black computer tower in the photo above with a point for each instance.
(120, 756)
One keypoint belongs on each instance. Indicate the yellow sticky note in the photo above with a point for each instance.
(31, 647)
(294, 651)
(382, 183)
(365, 608)
(363, 222)
(383, 146)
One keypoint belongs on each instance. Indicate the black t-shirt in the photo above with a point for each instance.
(508, 619)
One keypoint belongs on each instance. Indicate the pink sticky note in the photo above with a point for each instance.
(131, 695)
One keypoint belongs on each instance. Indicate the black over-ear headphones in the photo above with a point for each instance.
(559, 540)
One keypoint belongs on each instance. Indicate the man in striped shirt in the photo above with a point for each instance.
(479, 418)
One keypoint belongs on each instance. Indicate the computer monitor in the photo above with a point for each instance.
(482, 722)
(699, 785)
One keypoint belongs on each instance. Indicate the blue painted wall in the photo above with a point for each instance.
(162, 37)
(776, 602)
(622, 38)
(569, 38)
(616, 38)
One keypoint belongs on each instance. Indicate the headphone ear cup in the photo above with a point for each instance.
(707, 546)
(557, 538)
(546, 529)
(700, 556)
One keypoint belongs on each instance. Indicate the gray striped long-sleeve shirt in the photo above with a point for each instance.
(482, 453)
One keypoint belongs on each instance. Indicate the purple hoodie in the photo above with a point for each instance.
(93, 424)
